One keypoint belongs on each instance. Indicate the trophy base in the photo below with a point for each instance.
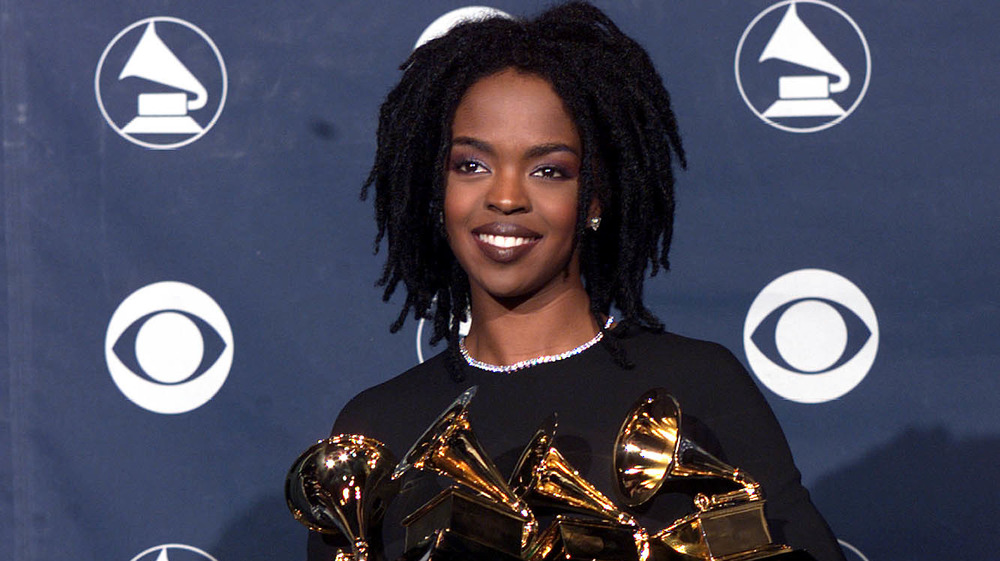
(772, 553)
(575, 539)
(467, 515)
(731, 533)
(660, 552)
(445, 545)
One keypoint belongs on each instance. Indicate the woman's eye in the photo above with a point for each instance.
(549, 172)
(470, 166)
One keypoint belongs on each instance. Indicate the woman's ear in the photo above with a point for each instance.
(594, 214)
(595, 208)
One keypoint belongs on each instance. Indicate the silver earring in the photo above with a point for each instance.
(595, 223)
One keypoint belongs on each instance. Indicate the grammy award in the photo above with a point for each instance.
(342, 485)
(483, 514)
(652, 449)
(545, 480)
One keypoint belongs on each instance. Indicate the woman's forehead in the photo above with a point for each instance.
(514, 103)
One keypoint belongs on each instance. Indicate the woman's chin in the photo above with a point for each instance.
(516, 293)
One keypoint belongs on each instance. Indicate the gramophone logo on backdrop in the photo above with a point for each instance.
(811, 336)
(169, 347)
(161, 83)
(173, 552)
(802, 66)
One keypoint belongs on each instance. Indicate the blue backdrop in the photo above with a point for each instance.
(188, 270)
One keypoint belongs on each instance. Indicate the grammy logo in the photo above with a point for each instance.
(163, 113)
(781, 52)
(149, 95)
(804, 96)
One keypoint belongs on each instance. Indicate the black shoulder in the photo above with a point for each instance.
(665, 347)
(396, 410)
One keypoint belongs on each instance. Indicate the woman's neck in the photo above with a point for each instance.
(506, 332)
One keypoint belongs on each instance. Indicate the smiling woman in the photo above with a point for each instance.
(510, 211)
(524, 175)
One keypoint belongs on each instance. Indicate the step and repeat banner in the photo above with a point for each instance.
(189, 273)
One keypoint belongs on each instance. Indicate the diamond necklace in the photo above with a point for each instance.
(505, 368)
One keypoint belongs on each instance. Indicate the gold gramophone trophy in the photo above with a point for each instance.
(342, 485)
(484, 514)
(652, 449)
(545, 480)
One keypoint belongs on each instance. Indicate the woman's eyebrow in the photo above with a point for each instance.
(543, 149)
(533, 152)
(474, 142)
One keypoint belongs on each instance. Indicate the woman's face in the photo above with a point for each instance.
(511, 188)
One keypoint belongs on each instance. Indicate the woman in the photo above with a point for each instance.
(524, 175)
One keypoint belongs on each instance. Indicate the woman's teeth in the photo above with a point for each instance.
(503, 241)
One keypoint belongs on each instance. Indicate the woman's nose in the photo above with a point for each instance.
(507, 194)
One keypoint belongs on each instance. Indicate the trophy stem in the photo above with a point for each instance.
(360, 550)
(641, 537)
(530, 528)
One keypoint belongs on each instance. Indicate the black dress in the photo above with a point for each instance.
(591, 395)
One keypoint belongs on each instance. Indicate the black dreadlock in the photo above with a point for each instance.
(627, 130)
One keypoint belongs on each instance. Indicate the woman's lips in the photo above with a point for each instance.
(504, 242)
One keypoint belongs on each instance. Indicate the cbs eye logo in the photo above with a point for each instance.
(173, 552)
(169, 347)
(811, 336)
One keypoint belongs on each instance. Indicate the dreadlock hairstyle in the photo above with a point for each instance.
(628, 134)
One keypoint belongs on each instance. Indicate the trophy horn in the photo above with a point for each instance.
(449, 448)
(342, 485)
(544, 478)
(651, 448)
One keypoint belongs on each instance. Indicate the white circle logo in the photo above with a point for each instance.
(173, 552)
(811, 336)
(444, 23)
(802, 66)
(161, 83)
(423, 339)
(169, 347)
(857, 552)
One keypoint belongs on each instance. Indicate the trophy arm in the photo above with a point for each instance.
(749, 491)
